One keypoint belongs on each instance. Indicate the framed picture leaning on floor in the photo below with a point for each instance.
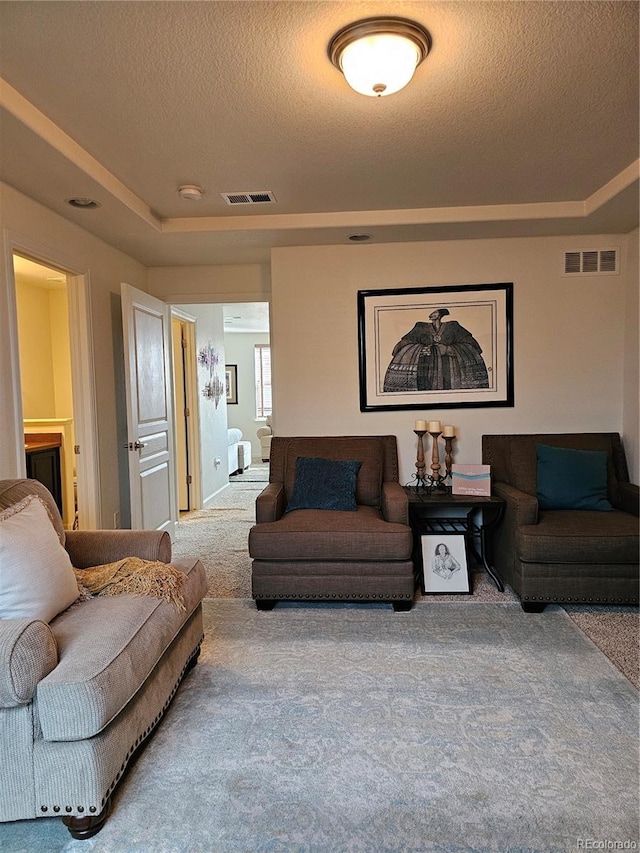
(444, 564)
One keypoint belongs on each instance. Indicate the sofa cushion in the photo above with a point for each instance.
(324, 484)
(523, 461)
(29, 652)
(14, 491)
(308, 534)
(107, 647)
(579, 536)
(571, 479)
(36, 576)
(368, 451)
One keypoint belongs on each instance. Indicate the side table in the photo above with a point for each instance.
(434, 513)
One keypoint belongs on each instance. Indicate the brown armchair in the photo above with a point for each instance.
(323, 554)
(563, 555)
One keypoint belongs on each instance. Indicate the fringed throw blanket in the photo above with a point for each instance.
(134, 576)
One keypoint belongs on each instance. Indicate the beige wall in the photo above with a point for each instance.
(26, 221)
(61, 352)
(568, 349)
(241, 283)
(36, 352)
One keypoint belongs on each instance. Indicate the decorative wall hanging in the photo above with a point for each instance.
(209, 359)
(436, 347)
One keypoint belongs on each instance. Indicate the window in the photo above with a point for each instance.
(262, 357)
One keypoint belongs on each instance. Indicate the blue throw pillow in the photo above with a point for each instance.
(572, 479)
(324, 484)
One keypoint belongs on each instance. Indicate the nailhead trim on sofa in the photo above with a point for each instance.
(136, 745)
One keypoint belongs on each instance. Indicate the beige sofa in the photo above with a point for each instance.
(79, 696)
(265, 434)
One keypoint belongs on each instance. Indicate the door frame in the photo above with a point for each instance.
(193, 404)
(82, 366)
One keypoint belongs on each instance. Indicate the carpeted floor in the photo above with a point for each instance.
(465, 728)
(218, 535)
(257, 472)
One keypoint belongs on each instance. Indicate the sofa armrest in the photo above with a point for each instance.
(395, 503)
(270, 503)
(96, 547)
(28, 652)
(521, 507)
(629, 498)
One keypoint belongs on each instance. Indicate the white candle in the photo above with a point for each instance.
(448, 431)
(434, 426)
(420, 425)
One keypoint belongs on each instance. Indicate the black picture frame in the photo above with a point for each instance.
(231, 382)
(404, 363)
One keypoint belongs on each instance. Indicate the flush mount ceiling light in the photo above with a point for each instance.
(190, 192)
(378, 56)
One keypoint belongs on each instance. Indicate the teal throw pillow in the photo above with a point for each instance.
(572, 479)
(324, 484)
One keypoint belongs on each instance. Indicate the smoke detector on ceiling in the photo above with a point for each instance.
(190, 192)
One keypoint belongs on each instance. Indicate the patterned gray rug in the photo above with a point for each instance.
(466, 728)
(218, 536)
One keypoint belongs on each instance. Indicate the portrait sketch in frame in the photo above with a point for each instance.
(231, 381)
(436, 347)
(444, 564)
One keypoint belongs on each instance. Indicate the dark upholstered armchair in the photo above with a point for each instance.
(326, 554)
(563, 555)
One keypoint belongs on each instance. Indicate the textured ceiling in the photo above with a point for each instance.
(523, 119)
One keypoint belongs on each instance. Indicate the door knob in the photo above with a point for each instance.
(134, 445)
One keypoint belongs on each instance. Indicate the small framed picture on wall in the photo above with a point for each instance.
(231, 381)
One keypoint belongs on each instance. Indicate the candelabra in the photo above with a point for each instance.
(448, 455)
(434, 480)
(419, 476)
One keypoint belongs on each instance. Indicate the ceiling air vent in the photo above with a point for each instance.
(260, 197)
(591, 262)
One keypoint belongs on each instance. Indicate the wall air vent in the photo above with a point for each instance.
(258, 197)
(592, 262)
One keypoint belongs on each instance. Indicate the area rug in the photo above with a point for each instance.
(218, 536)
(353, 729)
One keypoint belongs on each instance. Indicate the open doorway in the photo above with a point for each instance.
(52, 367)
(46, 381)
(203, 451)
(247, 346)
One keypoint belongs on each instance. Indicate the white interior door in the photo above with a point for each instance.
(147, 346)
